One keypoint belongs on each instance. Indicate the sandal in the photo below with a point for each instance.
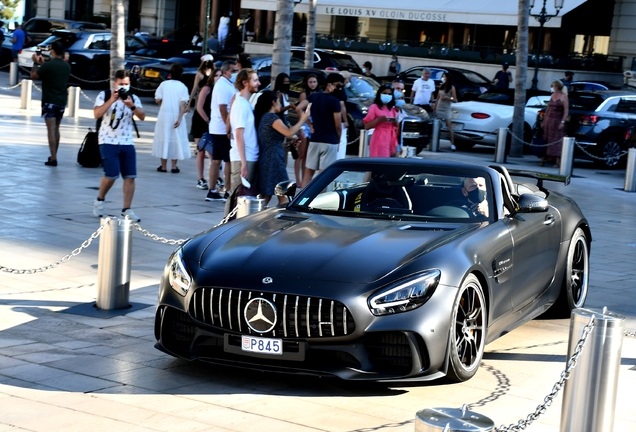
(161, 169)
(175, 170)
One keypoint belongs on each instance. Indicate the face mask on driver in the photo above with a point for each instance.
(477, 195)
(124, 87)
(397, 94)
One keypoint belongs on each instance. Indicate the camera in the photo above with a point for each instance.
(123, 94)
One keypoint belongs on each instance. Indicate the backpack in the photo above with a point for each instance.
(88, 155)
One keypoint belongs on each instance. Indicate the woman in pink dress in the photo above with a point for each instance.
(382, 116)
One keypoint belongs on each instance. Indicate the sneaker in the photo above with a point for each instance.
(226, 196)
(453, 148)
(98, 208)
(220, 184)
(214, 196)
(131, 214)
(202, 184)
(50, 162)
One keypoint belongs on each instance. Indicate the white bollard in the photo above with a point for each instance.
(113, 264)
(589, 395)
(567, 157)
(13, 73)
(363, 145)
(630, 171)
(26, 93)
(500, 149)
(248, 205)
(433, 146)
(73, 102)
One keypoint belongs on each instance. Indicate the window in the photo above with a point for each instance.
(100, 42)
(627, 106)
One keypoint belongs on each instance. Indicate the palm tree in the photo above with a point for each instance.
(282, 37)
(516, 147)
(118, 38)
(310, 39)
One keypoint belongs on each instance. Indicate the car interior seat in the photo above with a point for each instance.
(385, 195)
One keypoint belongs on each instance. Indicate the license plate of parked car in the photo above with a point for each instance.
(262, 345)
(151, 74)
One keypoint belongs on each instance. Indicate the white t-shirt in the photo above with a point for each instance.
(222, 93)
(117, 126)
(242, 116)
(423, 91)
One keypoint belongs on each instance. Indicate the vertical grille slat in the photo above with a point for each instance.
(320, 317)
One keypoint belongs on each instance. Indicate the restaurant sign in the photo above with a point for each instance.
(411, 15)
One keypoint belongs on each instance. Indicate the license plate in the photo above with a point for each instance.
(262, 345)
(458, 126)
(151, 74)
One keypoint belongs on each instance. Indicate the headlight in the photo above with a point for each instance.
(178, 276)
(405, 295)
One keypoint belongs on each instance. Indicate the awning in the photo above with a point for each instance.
(488, 12)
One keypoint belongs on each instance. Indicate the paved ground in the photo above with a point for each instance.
(61, 371)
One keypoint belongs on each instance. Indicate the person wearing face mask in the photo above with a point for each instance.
(400, 101)
(342, 95)
(474, 190)
(442, 106)
(222, 95)
(311, 86)
(116, 144)
(382, 117)
(366, 70)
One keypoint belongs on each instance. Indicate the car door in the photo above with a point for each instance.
(536, 238)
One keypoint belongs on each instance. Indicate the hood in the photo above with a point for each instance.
(285, 244)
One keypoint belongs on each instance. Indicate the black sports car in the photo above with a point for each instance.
(380, 269)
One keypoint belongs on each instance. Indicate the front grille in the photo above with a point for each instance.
(298, 316)
(413, 126)
(178, 329)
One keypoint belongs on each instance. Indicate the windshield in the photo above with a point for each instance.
(397, 192)
(476, 78)
(363, 88)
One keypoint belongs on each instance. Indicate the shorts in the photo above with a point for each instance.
(118, 159)
(221, 148)
(50, 110)
(321, 155)
(15, 53)
(205, 143)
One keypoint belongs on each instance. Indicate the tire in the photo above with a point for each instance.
(468, 331)
(574, 288)
(610, 147)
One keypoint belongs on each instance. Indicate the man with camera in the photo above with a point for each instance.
(116, 141)
(54, 75)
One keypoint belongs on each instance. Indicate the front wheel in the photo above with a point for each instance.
(576, 278)
(468, 331)
(610, 151)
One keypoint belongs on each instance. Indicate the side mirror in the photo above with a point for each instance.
(286, 188)
(529, 203)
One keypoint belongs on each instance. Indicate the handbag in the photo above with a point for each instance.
(205, 141)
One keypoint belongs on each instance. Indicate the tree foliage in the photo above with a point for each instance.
(8, 8)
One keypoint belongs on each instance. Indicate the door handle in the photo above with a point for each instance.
(549, 219)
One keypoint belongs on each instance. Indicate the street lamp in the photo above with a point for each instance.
(543, 17)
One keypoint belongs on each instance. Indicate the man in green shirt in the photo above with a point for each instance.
(54, 75)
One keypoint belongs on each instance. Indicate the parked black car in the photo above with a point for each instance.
(153, 74)
(599, 120)
(468, 84)
(329, 60)
(40, 28)
(89, 52)
(416, 127)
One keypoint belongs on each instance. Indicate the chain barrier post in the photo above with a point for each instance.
(13, 73)
(452, 420)
(630, 171)
(73, 102)
(567, 157)
(433, 145)
(363, 146)
(589, 396)
(500, 149)
(113, 265)
(26, 94)
(248, 205)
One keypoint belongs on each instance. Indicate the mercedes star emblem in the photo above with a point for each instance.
(260, 315)
(268, 280)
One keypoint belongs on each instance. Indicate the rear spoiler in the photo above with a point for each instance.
(539, 176)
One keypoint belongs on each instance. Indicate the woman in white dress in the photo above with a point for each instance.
(171, 133)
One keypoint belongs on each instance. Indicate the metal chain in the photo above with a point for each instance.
(531, 144)
(629, 333)
(11, 88)
(92, 82)
(37, 88)
(565, 375)
(181, 241)
(87, 97)
(354, 141)
(61, 261)
(599, 158)
(5, 66)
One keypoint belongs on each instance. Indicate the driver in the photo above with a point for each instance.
(474, 189)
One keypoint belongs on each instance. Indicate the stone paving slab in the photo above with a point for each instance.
(66, 372)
